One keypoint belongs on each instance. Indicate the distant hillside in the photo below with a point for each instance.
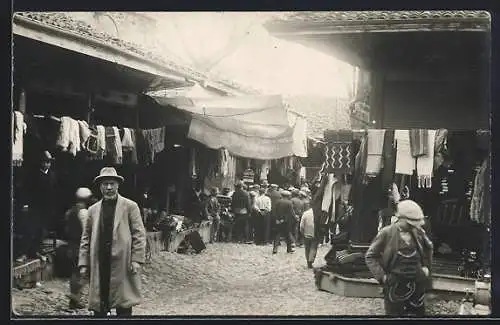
(321, 112)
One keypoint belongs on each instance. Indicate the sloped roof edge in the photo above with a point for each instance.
(382, 20)
(66, 25)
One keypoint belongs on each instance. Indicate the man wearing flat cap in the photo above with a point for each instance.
(113, 249)
(400, 258)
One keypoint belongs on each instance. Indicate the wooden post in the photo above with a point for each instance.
(90, 109)
(137, 126)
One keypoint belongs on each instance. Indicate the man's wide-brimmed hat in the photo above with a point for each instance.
(109, 172)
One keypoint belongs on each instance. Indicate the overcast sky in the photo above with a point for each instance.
(269, 64)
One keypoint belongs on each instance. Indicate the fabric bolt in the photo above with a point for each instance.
(101, 141)
(374, 152)
(18, 138)
(425, 164)
(419, 143)
(118, 144)
(405, 163)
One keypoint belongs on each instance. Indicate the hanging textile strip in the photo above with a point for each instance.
(405, 163)
(69, 136)
(425, 164)
(18, 138)
(440, 141)
(388, 160)
(477, 202)
(84, 134)
(338, 151)
(154, 141)
(129, 146)
(375, 147)
(419, 142)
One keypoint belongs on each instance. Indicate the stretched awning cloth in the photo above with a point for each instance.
(257, 127)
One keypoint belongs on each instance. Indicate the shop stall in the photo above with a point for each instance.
(445, 171)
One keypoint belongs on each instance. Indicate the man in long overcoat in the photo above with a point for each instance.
(113, 249)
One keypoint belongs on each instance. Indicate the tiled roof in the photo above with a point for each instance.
(321, 112)
(338, 16)
(62, 21)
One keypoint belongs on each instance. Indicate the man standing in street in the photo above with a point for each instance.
(74, 222)
(263, 203)
(307, 231)
(41, 192)
(213, 212)
(113, 249)
(298, 208)
(284, 219)
(400, 258)
(240, 206)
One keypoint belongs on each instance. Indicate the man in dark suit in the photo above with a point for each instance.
(41, 194)
(240, 206)
(284, 219)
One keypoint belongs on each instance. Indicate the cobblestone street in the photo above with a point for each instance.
(226, 279)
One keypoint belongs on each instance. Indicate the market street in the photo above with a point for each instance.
(226, 279)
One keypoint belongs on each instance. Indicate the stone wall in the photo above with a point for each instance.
(322, 113)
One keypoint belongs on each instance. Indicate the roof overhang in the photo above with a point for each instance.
(160, 77)
(391, 40)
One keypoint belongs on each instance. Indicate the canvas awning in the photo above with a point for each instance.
(257, 127)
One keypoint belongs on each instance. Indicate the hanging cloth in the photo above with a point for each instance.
(338, 151)
(477, 207)
(129, 146)
(101, 141)
(425, 164)
(328, 194)
(113, 145)
(375, 148)
(19, 128)
(92, 145)
(361, 160)
(440, 141)
(154, 141)
(63, 138)
(84, 134)
(419, 142)
(405, 163)
(69, 136)
(118, 144)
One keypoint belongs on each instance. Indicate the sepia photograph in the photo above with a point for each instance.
(194, 164)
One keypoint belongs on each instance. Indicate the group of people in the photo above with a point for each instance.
(107, 240)
(262, 214)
